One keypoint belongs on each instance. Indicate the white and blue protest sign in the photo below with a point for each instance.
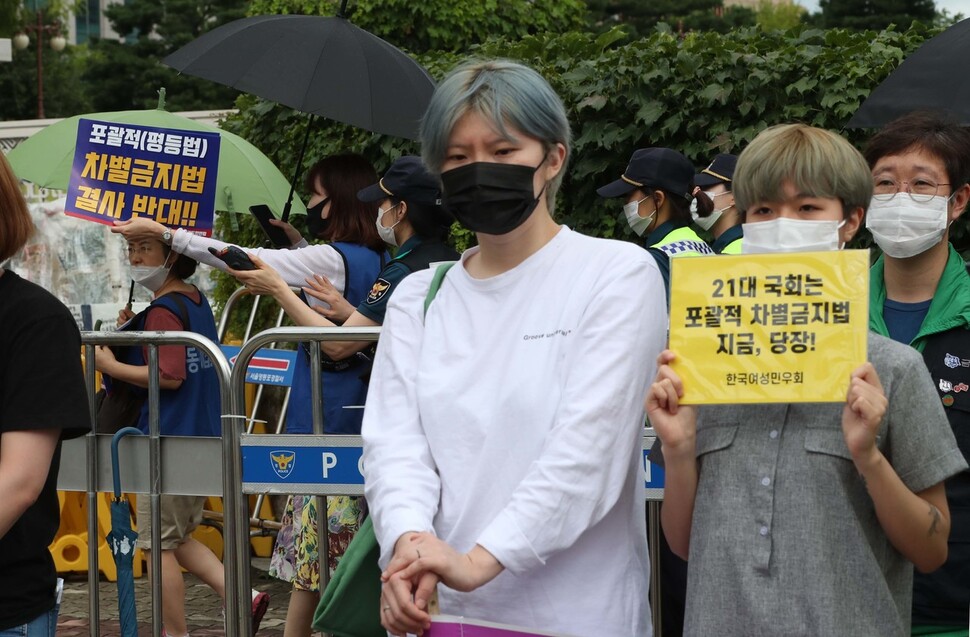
(267, 366)
(122, 171)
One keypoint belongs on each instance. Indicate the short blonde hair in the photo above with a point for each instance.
(817, 162)
(15, 223)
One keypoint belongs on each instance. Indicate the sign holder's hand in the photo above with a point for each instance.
(865, 407)
(675, 424)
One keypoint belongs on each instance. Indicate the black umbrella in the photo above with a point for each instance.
(928, 79)
(318, 65)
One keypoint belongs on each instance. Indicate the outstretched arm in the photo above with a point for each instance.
(293, 265)
(265, 280)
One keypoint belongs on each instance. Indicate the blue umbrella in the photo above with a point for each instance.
(121, 539)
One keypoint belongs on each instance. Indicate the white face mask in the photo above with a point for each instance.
(903, 227)
(151, 277)
(791, 235)
(637, 223)
(708, 222)
(387, 234)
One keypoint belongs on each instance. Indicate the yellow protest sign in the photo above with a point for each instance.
(769, 327)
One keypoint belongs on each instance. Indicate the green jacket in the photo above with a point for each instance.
(950, 307)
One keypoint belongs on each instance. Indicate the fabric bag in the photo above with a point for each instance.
(351, 604)
(118, 409)
(121, 407)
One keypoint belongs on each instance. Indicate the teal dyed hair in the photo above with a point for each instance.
(506, 94)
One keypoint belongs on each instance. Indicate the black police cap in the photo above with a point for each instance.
(654, 169)
(721, 171)
(407, 179)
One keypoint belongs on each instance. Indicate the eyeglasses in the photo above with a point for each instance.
(140, 248)
(921, 189)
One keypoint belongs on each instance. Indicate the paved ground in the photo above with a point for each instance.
(202, 606)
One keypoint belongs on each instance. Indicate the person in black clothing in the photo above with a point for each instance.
(409, 216)
(40, 359)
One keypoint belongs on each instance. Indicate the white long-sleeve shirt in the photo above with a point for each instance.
(295, 264)
(511, 416)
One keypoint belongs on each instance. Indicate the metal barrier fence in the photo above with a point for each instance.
(97, 480)
(245, 464)
(337, 458)
(241, 587)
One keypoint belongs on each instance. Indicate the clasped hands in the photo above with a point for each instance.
(420, 561)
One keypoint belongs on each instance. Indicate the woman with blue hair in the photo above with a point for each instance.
(503, 428)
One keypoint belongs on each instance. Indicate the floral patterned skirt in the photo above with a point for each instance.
(296, 555)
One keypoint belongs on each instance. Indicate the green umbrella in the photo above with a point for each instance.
(246, 176)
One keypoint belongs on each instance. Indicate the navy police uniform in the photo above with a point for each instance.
(416, 254)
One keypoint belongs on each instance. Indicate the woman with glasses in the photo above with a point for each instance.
(920, 295)
(188, 406)
(351, 258)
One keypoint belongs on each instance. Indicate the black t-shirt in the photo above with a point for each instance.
(41, 387)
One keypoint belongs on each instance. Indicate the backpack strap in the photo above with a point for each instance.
(346, 266)
(180, 310)
(436, 281)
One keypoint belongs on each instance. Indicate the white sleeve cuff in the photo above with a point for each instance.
(505, 541)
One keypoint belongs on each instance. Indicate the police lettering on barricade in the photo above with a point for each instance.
(122, 171)
(769, 327)
(302, 464)
(333, 465)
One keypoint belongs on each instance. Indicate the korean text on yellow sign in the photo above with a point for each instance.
(769, 327)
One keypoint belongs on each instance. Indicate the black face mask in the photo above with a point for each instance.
(315, 223)
(488, 197)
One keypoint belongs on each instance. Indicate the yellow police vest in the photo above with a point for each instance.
(682, 242)
(733, 248)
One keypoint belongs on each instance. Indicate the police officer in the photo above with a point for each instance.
(658, 185)
(409, 216)
(724, 222)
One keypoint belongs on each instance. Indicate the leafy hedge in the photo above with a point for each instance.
(703, 94)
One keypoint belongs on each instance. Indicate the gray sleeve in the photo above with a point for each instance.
(919, 441)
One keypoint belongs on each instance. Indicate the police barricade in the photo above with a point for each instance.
(240, 587)
(185, 465)
(322, 465)
(234, 304)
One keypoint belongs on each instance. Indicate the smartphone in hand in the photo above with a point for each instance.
(277, 236)
(234, 258)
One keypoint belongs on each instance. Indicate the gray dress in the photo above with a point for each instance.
(785, 539)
